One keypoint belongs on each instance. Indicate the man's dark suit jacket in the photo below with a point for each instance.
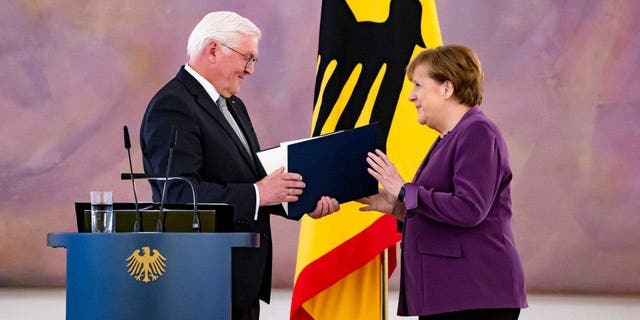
(209, 152)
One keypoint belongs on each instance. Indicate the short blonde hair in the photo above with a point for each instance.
(455, 63)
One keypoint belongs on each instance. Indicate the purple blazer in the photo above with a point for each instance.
(458, 251)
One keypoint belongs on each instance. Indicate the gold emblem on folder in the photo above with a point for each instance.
(146, 266)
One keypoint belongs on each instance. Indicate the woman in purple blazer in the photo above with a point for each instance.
(459, 259)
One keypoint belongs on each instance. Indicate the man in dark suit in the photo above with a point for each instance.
(217, 148)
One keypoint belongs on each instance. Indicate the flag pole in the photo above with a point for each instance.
(384, 280)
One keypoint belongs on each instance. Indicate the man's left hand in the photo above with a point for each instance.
(325, 206)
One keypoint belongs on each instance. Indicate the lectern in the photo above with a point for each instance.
(149, 275)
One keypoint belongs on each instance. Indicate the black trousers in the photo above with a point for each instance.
(251, 312)
(477, 314)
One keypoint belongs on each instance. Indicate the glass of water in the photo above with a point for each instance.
(102, 211)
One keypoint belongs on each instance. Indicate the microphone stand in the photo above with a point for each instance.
(172, 143)
(160, 226)
(196, 215)
(137, 225)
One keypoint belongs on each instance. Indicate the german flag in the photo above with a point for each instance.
(364, 48)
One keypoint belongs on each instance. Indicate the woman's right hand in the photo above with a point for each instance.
(381, 202)
(384, 202)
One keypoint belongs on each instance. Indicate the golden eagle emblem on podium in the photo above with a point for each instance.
(146, 266)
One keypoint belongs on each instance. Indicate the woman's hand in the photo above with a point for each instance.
(383, 170)
(383, 202)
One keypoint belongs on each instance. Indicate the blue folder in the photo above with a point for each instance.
(334, 165)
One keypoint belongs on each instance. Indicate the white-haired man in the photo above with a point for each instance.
(217, 145)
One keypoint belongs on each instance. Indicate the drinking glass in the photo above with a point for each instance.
(102, 211)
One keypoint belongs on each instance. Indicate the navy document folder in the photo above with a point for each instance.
(331, 165)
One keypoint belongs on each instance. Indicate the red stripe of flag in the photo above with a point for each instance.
(343, 260)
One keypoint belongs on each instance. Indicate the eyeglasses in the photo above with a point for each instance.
(247, 58)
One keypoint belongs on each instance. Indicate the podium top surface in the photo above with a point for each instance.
(230, 239)
(214, 217)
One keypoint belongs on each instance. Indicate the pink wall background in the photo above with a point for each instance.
(561, 82)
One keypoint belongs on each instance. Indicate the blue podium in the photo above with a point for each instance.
(149, 275)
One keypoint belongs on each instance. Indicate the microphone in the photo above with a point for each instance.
(173, 137)
(137, 225)
(196, 215)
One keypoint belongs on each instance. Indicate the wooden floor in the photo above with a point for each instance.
(36, 304)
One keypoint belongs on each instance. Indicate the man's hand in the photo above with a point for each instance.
(280, 187)
(325, 206)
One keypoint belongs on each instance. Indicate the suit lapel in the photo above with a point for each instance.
(210, 107)
(244, 123)
(237, 108)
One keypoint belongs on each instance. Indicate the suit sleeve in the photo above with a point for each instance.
(170, 110)
(477, 174)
